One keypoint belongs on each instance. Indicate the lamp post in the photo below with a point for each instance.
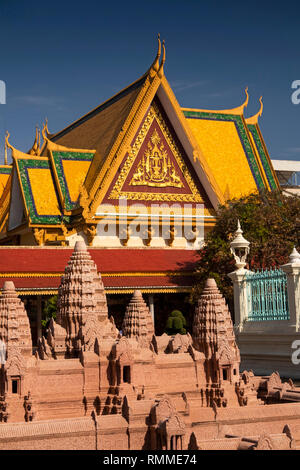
(239, 247)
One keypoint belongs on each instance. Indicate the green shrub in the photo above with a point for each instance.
(176, 323)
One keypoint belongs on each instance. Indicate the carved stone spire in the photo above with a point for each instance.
(213, 335)
(137, 321)
(14, 323)
(81, 296)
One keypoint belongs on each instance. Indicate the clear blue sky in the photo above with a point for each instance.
(60, 59)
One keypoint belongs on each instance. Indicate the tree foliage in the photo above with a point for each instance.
(270, 222)
(176, 323)
(49, 310)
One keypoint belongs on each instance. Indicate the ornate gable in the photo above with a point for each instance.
(155, 168)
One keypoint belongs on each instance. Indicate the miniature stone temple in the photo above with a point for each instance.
(89, 386)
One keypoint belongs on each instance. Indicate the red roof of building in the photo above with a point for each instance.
(36, 269)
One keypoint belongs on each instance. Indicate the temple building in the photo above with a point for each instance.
(141, 147)
(138, 179)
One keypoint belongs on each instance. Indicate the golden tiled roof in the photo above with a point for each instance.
(46, 202)
(99, 128)
(75, 173)
(225, 155)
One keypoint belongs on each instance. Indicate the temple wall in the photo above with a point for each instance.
(175, 369)
(59, 374)
(112, 433)
(70, 434)
(58, 388)
(145, 374)
(245, 420)
(108, 433)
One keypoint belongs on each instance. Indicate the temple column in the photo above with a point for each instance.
(39, 317)
(151, 307)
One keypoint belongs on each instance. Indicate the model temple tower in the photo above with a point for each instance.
(82, 303)
(213, 336)
(16, 348)
(137, 321)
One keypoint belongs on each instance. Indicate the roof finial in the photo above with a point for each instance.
(254, 119)
(7, 144)
(261, 106)
(46, 126)
(163, 60)
(35, 149)
(247, 98)
(45, 131)
(155, 65)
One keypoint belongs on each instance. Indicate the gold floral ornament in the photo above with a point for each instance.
(156, 168)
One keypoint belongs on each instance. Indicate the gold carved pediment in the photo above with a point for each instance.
(155, 167)
(154, 162)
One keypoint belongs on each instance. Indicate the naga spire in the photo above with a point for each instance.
(14, 151)
(163, 60)
(45, 131)
(35, 149)
(155, 65)
(245, 104)
(7, 144)
(254, 119)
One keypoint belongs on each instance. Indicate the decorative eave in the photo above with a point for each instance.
(268, 156)
(239, 110)
(51, 147)
(252, 124)
(254, 119)
(256, 156)
(18, 157)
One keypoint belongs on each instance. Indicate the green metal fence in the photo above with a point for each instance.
(267, 295)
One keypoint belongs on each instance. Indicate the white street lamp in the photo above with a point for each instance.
(239, 247)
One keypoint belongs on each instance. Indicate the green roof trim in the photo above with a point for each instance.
(24, 165)
(263, 156)
(5, 170)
